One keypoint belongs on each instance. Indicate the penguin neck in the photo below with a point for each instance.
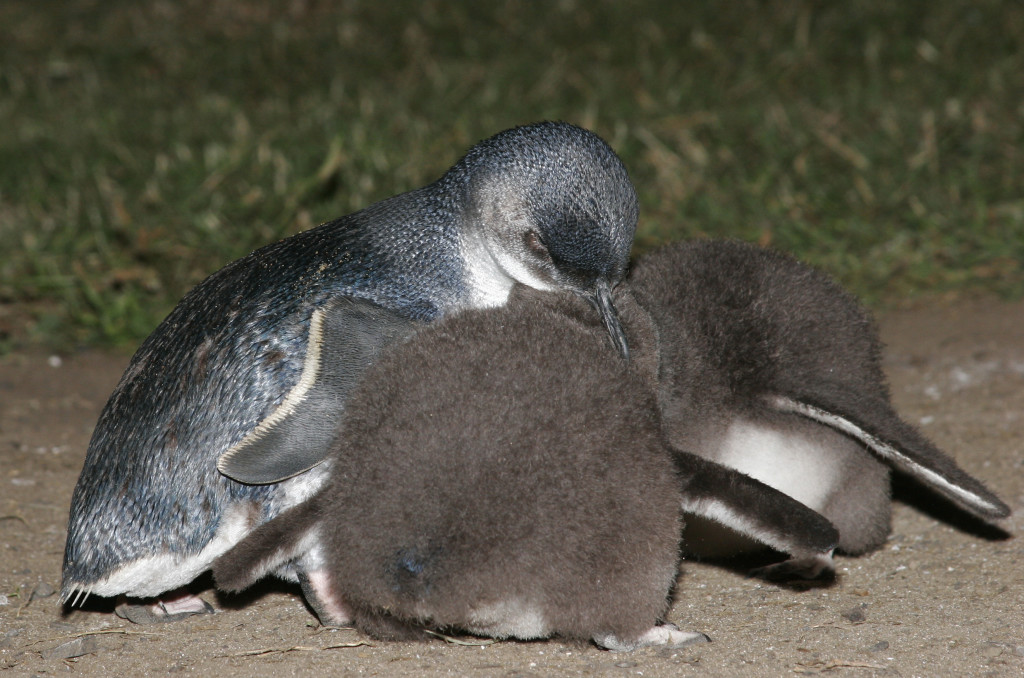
(489, 268)
(489, 272)
(486, 282)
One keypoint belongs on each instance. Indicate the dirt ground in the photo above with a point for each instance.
(944, 597)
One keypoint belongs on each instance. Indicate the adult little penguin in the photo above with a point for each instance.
(250, 372)
(522, 488)
(770, 367)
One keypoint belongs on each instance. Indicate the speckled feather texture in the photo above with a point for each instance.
(770, 367)
(522, 486)
(151, 511)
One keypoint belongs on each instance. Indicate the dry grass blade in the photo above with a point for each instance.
(481, 642)
(270, 650)
(101, 632)
(831, 665)
(842, 149)
(340, 646)
(295, 648)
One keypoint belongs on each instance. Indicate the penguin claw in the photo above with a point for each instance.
(163, 610)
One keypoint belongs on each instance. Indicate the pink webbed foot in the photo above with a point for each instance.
(319, 593)
(664, 635)
(172, 606)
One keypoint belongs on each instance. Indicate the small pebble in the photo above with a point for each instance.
(879, 646)
(72, 648)
(4, 600)
(63, 626)
(42, 590)
(855, 614)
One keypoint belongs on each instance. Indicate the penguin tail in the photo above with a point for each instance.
(272, 545)
(898, 444)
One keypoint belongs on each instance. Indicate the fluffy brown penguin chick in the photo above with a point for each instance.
(503, 472)
(770, 367)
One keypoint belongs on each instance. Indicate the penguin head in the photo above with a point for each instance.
(551, 206)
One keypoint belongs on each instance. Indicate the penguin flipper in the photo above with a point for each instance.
(902, 446)
(758, 511)
(288, 542)
(269, 547)
(345, 337)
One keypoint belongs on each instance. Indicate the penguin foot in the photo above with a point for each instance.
(667, 635)
(816, 566)
(329, 608)
(167, 609)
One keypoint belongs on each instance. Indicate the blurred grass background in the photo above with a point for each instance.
(145, 143)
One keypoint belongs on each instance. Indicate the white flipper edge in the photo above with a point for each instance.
(294, 398)
(721, 512)
(888, 453)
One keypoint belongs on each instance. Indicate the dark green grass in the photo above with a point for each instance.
(144, 144)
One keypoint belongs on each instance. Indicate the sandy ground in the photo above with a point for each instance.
(944, 597)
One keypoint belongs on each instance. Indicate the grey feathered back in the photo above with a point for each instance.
(737, 321)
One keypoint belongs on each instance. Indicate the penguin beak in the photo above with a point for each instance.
(602, 299)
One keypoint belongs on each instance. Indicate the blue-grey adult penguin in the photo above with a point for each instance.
(522, 488)
(250, 371)
(770, 367)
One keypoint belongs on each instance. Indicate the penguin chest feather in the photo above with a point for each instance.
(790, 459)
(509, 619)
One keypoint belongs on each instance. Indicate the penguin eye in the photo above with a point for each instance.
(535, 244)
